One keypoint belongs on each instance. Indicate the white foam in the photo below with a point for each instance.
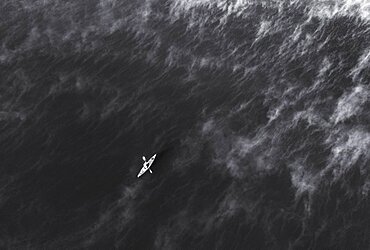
(331, 9)
(361, 65)
(320, 8)
(208, 126)
(301, 179)
(350, 103)
(347, 149)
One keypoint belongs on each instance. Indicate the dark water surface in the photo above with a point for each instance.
(259, 112)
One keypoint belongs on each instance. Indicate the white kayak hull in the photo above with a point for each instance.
(147, 166)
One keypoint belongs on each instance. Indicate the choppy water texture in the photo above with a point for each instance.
(259, 112)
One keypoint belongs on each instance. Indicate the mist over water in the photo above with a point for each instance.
(259, 112)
